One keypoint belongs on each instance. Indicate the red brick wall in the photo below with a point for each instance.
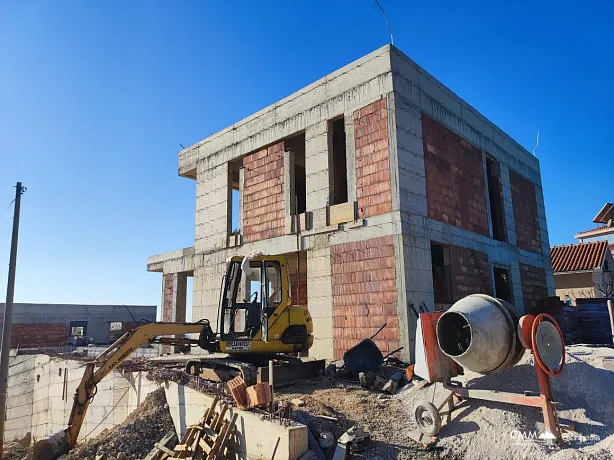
(525, 213)
(168, 295)
(263, 194)
(299, 298)
(364, 294)
(39, 334)
(372, 160)
(534, 290)
(465, 276)
(455, 189)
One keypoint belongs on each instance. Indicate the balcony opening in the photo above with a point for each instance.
(296, 145)
(497, 216)
(442, 278)
(503, 285)
(337, 163)
(234, 203)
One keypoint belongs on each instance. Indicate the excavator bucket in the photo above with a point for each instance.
(51, 447)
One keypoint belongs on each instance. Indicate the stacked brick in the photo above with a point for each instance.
(525, 213)
(372, 160)
(465, 273)
(263, 194)
(364, 294)
(39, 335)
(534, 288)
(455, 189)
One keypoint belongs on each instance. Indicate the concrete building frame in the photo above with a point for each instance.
(394, 216)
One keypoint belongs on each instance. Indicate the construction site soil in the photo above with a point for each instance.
(478, 429)
(383, 417)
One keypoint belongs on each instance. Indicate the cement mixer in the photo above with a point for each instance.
(485, 335)
(480, 333)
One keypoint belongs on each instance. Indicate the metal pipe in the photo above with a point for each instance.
(8, 315)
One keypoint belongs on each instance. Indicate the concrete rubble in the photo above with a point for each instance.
(132, 439)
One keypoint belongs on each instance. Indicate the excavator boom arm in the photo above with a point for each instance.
(52, 447)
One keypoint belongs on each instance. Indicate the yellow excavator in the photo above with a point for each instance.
(256, 321)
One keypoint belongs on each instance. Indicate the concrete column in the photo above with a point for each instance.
(289, 189)
(174, 288)
(316, 172)
(508, 206)
(350, 155)
(320, 297)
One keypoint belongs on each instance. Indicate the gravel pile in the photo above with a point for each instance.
(15, 451)
(480, 429)
(134, 438)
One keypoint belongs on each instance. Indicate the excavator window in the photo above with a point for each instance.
(244, 305)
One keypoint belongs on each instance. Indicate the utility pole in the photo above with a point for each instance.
(8, 316)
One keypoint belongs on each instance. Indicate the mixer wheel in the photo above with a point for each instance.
(427, 418)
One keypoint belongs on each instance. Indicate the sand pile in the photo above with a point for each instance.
(134, 438)
(480, 429)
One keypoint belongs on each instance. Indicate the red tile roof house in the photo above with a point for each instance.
(583, 270)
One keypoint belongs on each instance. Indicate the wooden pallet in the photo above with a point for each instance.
(206, 441)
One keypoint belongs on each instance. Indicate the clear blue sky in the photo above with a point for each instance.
(95, 98)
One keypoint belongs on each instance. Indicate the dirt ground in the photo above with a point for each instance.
(384, 418)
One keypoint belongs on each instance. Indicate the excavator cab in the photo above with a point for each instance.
(255, 308)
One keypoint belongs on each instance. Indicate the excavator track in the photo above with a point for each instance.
(218, 369)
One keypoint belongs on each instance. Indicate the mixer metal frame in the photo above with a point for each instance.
(429, 417)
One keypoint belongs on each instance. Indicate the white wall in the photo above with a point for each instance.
(39, 403)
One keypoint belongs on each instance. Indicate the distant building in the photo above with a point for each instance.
(583, 270)
(605, 231)
(44, 325)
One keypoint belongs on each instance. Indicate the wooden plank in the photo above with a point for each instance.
(164, 449)
(206, 448)
(155, 453)
(220, 419)
(212, 409)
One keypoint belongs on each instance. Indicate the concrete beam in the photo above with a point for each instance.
(181, 260)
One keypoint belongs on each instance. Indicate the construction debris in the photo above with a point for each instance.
(209, 440)
(356, 438)
(238, 391)
(15, 451)
(258, 395)
(134, 438)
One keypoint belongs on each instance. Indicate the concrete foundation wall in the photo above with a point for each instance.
(256, 438)
(41, 391)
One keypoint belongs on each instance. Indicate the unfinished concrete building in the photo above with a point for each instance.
(384, 188)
